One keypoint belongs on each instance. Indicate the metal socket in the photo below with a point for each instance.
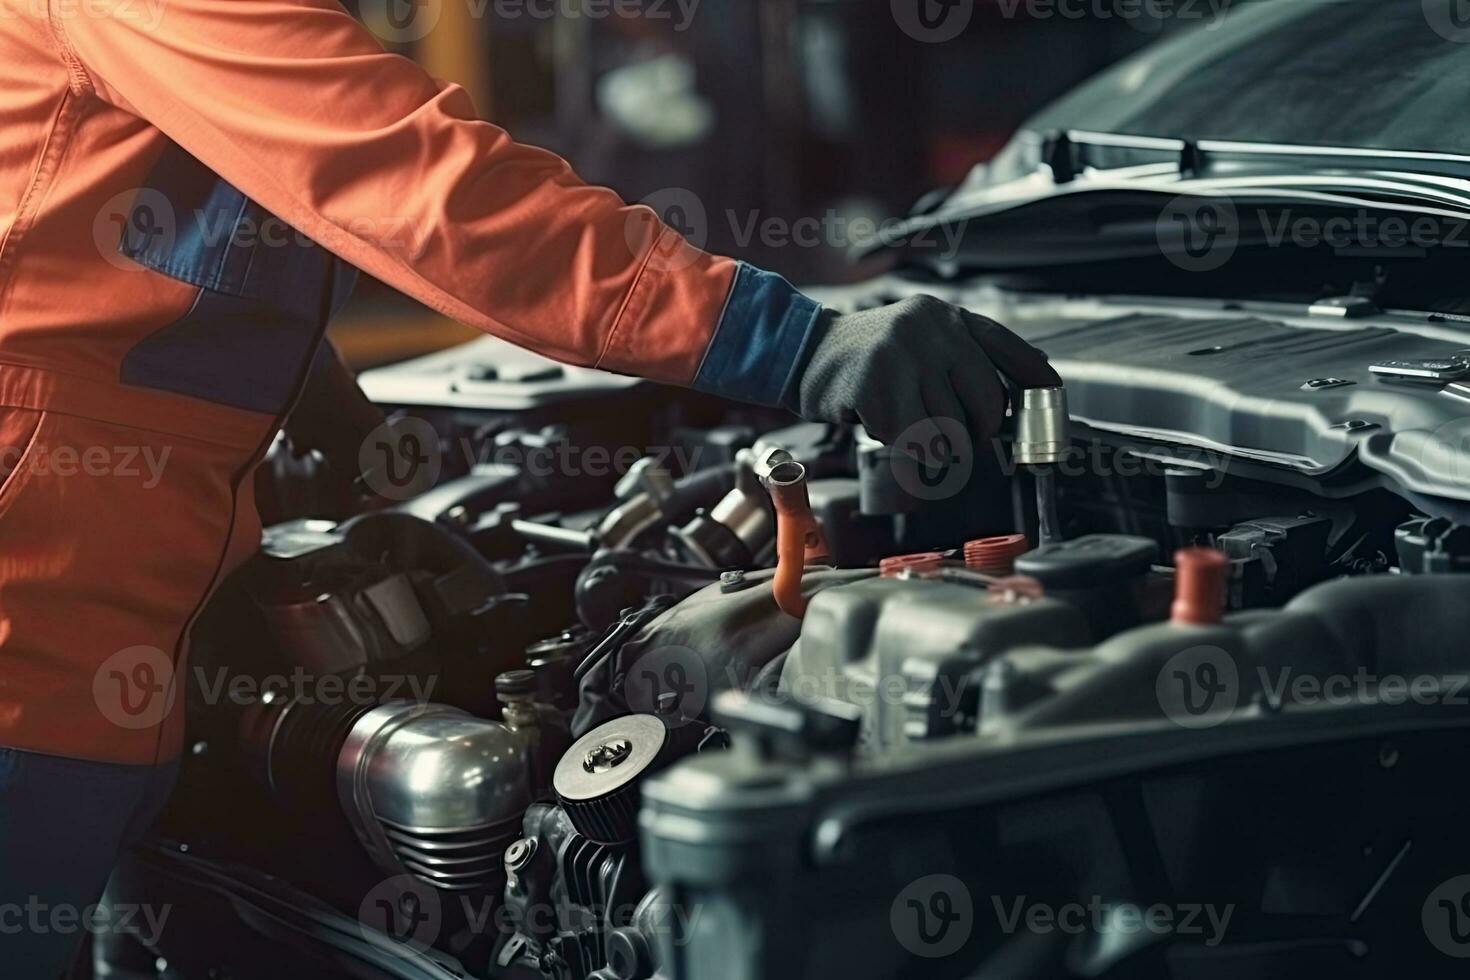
(1043, 428)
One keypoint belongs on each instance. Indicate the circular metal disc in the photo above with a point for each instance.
(646, 736)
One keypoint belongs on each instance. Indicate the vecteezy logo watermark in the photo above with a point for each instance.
(679, 12)
(933, 917)
(143, 463)
(669, 922)
(137, 229)
(1446, 917)
(134, 688)
(400, 21)
(1198, 687)
(403, 908)
(1094, 457)
(933, 21)
(671, 682)
(1100, 917)
(145, 15)
(304, 687)
(946, 693)
(1362, 229)
(680, 210)
(140, 221)
(1198, 234)
(934, 459)
(1450, 19)
(401, 458)
(1284, 686)
(1201, 687)
(842, 232)
(406, 21)
(564, 459)
(37, 917)
(1146, 16)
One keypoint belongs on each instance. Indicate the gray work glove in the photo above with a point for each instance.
(922, 359)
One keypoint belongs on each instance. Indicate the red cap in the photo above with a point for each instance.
(925, 561)
(995, 556)
(1199, 586)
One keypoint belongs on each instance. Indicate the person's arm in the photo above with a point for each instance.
(297, 105)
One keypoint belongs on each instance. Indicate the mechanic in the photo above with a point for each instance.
(144, 306)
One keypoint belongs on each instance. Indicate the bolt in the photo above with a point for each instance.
(519, 854)
(767, 463)
(608, 755)
(732, 581)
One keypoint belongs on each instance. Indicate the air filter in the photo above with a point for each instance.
(597, 781)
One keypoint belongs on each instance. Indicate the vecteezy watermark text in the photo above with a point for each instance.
(304, 687)
(143, 221)
(409, 911)
(1202, 234)
(1103, 917)
(144, 463)
(404, 456)
(406, 21)
(1203, 686)
(146, 15)
(938, 21)
(685, 212)
(35, 916)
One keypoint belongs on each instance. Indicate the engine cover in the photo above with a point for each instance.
(1301, 398)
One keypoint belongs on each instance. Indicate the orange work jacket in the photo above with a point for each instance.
(187, 190)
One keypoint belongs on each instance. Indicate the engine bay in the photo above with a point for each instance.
(629, 682)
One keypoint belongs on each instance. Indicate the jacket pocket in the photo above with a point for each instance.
(265, 291)
(20, 431)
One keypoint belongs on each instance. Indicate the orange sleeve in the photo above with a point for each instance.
(297, 105)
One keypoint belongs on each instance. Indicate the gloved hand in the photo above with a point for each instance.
(892, 367)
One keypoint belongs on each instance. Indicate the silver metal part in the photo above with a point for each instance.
(334, 633)
(597, 779)
(769, 463)
(628, 520)
(1424, 369)
(744, 513)
(433, 791)
(323, 633)
(646, 477)
(553, 535)
(1043, 428)
(609, 757)
(644, 490)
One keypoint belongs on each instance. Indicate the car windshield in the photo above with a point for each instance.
(1379, 74)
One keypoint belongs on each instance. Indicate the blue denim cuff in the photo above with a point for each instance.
(760, 341)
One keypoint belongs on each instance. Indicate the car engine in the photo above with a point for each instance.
(642, 683)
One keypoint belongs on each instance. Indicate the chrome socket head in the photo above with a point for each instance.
(1043, 428)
